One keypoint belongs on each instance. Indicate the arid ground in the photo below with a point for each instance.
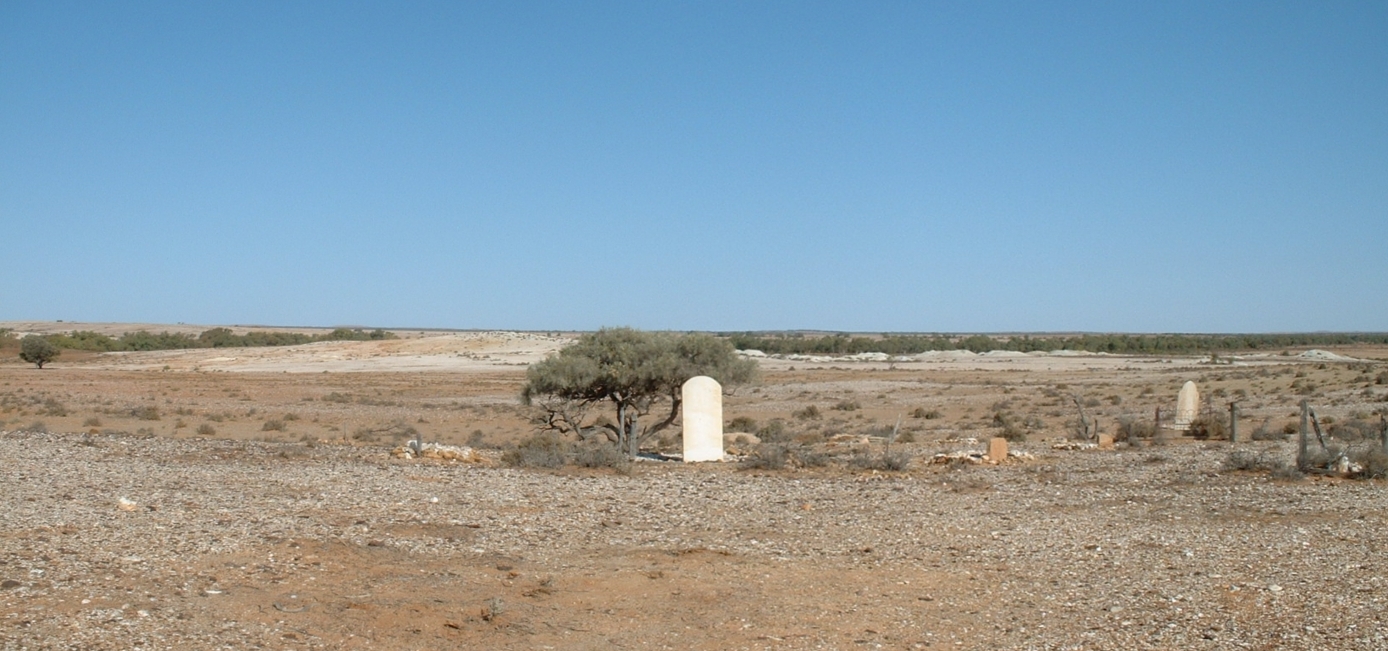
(262, 509)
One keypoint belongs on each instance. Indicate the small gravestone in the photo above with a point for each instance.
(997, 449)
(1187, 405)
(703, 419)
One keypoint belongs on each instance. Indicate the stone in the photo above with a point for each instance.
(1187, 405)
(1105, 441)
(702, 398)
(997, 449)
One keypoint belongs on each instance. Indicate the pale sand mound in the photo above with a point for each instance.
(469, 351)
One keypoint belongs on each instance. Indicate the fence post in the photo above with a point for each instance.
(1301, 438)
(1383, 430)
(1233, 422)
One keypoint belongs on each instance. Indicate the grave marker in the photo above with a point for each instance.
(1187, 405)
(703, 419)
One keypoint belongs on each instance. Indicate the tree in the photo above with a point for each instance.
(631, 372)
(37, 350)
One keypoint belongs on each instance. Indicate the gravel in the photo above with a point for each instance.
(1152, 548)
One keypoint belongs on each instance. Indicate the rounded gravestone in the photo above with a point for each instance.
(703, 419)
(1187, 405)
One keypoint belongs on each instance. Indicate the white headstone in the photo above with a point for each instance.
(703, 419)
(1187, 405)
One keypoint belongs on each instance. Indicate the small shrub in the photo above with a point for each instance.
(476, 439)
(206, 429)
(766, 457)
(887, 461)
(1134, 429)
(1373, 460)
(808, 413)
(290, 417)
(922, 412)
(52, 407)
(1317, 457)
(37, 427)
(1264, 433)
(811, 459)
(147, 412)
(847, 405)
(92, 422)
(1011, 429)
(273, 426)
(543, 450)
(1253, 461)
(774, 431)
(602, 455)
(743, 424)
(1209, 428)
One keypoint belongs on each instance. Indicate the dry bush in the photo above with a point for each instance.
(887, 461)
(922, 412)
(1372, 458)
(1203, 429)
(602, 455)
(542, 450)
(273, 426)
(1264, 433)
(808, 413)
(206, 429)
(1134, 429)
(847, 405)
(1262, 461)
(743, 424)
(767, 456)
(147, 412)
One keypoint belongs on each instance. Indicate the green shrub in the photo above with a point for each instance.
(37, 350)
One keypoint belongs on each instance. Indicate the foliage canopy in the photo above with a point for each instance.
(37, 350)
(634, 373)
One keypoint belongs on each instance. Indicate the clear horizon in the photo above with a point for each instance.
(838, 167)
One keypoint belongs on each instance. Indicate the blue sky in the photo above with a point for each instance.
(902, 166)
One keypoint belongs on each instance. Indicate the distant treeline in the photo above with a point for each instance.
(214, 338)
(842, 344)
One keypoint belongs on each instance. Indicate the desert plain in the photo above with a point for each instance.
(248, 498)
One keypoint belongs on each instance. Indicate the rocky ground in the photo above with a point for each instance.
(121, 542)
(232, 499)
